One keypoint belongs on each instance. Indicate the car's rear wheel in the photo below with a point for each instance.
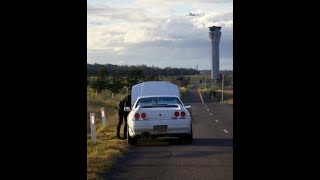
(131, 141)
(189, 138)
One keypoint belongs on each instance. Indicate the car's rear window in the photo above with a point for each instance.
(159, 105)
(150, 102)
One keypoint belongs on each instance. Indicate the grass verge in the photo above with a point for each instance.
(101, 157)
(227, 95)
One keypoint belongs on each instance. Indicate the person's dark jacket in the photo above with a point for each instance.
(121, 106)
(124, 102)
(127, 101)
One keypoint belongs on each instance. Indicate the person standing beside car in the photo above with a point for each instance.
(122, 114)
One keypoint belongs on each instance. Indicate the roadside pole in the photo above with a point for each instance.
(205, 83)
(103, 117)
(222, 88)
(212, 91)
(93, 128)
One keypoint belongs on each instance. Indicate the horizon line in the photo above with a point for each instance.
(160, 67)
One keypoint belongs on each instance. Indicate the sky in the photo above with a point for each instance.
(158, 33)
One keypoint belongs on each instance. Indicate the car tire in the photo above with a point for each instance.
(131, 141)
(189, 137)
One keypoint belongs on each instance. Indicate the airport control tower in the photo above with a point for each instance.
(215, 35)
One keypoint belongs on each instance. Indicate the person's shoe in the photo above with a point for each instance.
(119, 137)
(125, 137)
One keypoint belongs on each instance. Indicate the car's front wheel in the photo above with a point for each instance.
(131, 140)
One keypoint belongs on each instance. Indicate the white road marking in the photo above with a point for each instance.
(206, 106)
(207, 109)
(217, 120)
(201, 97)
(211, 114)
(225, 131)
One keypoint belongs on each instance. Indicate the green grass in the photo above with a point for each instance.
(183, 92)
(205, 90)
(227, 95)
(102, 156)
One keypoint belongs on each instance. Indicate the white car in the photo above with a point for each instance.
(153, 115)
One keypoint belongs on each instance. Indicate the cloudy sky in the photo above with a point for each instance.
(158, 33)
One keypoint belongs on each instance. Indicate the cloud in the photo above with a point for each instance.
(176, 2)
(104, 36)
(161, 57)
(213, 1)
(99, 10)
(158, 33)
(224, 19)
(121, 63)
(104, 12)
(171, 29)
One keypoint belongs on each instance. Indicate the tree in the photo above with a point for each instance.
(117, 82)
(134, 76)
(100, 83)
(102, 73)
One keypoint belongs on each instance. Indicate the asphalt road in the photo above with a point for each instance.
(210, 156)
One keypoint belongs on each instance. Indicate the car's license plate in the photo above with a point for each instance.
(160, 128)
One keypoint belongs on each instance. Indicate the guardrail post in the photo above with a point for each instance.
(93, 127)
(103, 117)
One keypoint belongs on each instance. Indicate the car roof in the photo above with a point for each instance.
(158, 96)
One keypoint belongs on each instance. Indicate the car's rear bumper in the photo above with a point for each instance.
(171, 132)
(175, 127)
(141, 136)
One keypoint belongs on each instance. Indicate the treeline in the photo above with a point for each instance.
(122, 78)
(224, 72)
(92, 70)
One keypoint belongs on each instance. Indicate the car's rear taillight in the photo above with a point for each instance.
(179, 115)
(175, 115)
(143, 115)
(183, 115)
(137, 116)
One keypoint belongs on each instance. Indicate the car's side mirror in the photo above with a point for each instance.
(188, 107)
(127, 109)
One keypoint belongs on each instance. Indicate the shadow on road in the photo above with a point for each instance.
(206, 142)
(196, 142)
(198, 154)
(213, 142)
